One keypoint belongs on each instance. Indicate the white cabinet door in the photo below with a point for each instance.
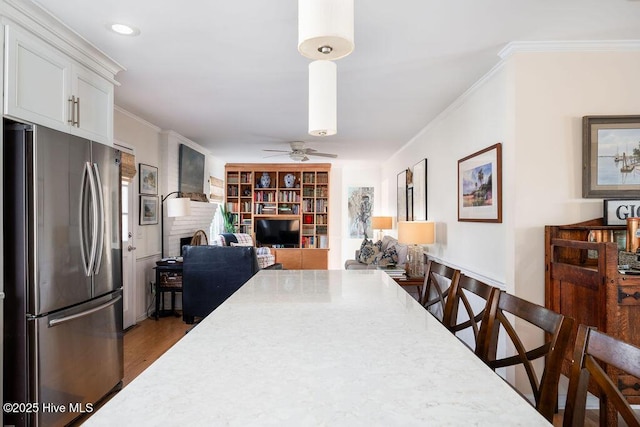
(94, 110)
(36, 80)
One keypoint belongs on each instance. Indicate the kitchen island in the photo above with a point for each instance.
(312, 347)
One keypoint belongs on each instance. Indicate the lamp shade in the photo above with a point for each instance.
(178, 207)
(322, 98)
(381, 222)
(325, 28)
(416, 232)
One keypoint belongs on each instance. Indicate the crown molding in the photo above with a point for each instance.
(137, 118)
(50, 29)
(570, 46)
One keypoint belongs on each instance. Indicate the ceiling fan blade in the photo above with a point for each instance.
(277, 151)
(309, 150)
(323, 155)
(274, 155)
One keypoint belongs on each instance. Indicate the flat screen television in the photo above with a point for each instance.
(279, 232)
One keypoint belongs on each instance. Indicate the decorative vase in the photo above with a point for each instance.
(289, 180)
(265, 180)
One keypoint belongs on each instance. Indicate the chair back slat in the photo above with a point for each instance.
(435, 289)
(472, 314)
(591, 347)
(558, 329)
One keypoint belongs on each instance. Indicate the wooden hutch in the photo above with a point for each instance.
(583, 281)
(307, 200)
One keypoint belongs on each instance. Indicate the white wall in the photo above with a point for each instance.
(343, 177)
(474, 122)
(155, 147)
(533, 103)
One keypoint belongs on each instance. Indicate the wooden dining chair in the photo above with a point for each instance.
(593, 348)
(464, 311)
(435, 289)
(558, 328)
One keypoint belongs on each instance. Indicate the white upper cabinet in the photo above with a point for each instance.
(37, 80)
(57, 81)
(93, 115)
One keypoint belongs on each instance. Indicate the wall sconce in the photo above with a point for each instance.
(381, 223)
(176, 207)
(416, 233)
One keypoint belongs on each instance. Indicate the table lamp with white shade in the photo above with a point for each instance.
(416, 234)
(381, 223)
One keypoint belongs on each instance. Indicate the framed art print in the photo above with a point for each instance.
(149, 210)
(148, 179)
(610, 156)
(480, 186)
(420, 191)
(402, 196)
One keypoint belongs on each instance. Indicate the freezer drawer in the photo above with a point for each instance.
(79, 358)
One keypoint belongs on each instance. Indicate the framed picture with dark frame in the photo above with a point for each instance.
(610, 156)
(148, 179)
(149, 206)
(420, 190)
(191, 171)
(480, 186)
(402, 196)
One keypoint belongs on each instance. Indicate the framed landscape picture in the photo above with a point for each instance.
(610, 156)
(148, 179)
(480, 186)
(149, 210)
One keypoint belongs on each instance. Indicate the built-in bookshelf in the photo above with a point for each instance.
(288, 191)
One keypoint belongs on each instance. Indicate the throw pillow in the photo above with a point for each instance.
(387, 242)
(401, 250)
(389, 256)
(368, 252)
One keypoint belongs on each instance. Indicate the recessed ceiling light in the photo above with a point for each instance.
(124, 29)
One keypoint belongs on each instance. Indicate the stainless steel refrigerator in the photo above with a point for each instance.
(62, 274)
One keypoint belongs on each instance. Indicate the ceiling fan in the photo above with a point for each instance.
(300, 153)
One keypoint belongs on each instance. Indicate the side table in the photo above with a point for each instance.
(168, 279)
(413, 285)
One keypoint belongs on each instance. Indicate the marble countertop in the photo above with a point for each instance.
(318, 348)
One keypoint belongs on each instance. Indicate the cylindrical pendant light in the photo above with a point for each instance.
(325, 28)
(322, 98)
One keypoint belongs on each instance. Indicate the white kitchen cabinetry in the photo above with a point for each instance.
(44, 86)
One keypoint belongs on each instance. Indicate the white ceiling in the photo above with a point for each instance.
(227, 74)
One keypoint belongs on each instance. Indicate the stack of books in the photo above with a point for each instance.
(393, 271)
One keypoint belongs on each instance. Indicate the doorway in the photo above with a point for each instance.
(128, 256)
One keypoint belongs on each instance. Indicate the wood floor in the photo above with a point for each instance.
(147, 341)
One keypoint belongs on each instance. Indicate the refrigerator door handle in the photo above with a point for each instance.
(56, 322)
(94, 217)
(101, 219)
(86, 263)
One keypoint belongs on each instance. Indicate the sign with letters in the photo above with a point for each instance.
(616, 212)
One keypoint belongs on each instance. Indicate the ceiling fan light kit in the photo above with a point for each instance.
(322, 98)
(325, 28)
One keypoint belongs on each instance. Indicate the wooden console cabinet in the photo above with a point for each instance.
(582, 281)
(300, 191)
(302, 259)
